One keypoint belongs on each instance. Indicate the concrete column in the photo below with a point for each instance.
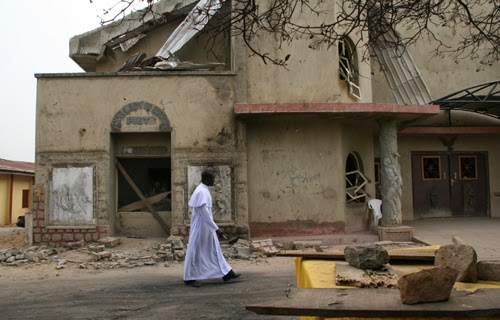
(390, 174)
(28, 227)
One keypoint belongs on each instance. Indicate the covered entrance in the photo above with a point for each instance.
(449, 184)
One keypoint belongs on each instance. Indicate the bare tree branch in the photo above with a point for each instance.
(474, 23)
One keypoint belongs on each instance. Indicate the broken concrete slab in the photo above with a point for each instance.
(347, 275)
(109, 242)
(428, 285)
(488, 270)
(461, 257)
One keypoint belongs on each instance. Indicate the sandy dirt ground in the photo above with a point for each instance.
(40, 291)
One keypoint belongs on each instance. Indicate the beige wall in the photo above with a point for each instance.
(74, 117)
(310, 76)
(296, 171)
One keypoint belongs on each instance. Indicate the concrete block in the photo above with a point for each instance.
(396, 234)
(109, 242)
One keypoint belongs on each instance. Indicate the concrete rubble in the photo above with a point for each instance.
(366, 256)
(101, 255)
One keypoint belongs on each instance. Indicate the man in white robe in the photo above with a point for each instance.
(204, 259)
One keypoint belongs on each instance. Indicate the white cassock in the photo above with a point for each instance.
(204, 259)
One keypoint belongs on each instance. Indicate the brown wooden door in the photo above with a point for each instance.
(468, 184)
(449, 184)
(431, 187)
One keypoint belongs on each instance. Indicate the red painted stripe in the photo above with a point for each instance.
(256, 108)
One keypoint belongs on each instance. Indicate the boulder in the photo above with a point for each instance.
(366, 256)
(461, 257)
(428, 285)
(488, 270)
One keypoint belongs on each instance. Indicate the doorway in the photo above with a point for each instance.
(143, 184)
(449, 184)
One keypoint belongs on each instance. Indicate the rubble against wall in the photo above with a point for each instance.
(101, 255)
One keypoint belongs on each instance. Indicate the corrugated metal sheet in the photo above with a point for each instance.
(192, 24)
(92, 43)
(16, 166)
(403, 76)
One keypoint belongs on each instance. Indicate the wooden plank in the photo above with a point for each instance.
(140, 204)
(413, 254)
(139, 193)
(380, 303)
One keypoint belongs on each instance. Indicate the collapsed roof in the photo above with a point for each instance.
(88, 48)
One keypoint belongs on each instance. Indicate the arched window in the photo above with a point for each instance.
(355, 180)
(348, 66)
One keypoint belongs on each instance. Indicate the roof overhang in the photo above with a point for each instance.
(88, 48)
(483, 99)
(450, 130)
(337, 110)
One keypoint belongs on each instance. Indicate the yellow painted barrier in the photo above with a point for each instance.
(314, 273)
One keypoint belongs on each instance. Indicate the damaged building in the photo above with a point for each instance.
(297, 150)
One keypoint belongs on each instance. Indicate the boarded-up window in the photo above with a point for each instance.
(26, 198)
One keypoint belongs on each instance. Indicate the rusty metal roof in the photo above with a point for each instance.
(10, 166)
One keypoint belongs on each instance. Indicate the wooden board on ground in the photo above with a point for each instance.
(382, 303)
(399, 254)
(347, 275)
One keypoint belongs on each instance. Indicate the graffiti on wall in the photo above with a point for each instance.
(220, 191)
(71, 196)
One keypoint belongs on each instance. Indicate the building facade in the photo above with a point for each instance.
(296, 150)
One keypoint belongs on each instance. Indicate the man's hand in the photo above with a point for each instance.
(221, 234)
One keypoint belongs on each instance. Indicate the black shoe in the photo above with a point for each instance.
(231, 275)
(192, 283)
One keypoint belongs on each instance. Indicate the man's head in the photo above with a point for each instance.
(208, 177)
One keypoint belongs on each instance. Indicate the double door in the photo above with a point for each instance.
(449, 184)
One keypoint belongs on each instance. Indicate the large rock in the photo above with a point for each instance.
(366, 256)
(461, 257)
(428, 285)
(488, 270)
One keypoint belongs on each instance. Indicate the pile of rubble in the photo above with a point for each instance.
(101, 255)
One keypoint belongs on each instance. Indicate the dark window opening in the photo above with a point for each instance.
(431, 167)
(468, 167)
(26, 198)
(152, 176)
(377, 171)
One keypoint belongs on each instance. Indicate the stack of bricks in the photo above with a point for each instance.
(57, 237)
